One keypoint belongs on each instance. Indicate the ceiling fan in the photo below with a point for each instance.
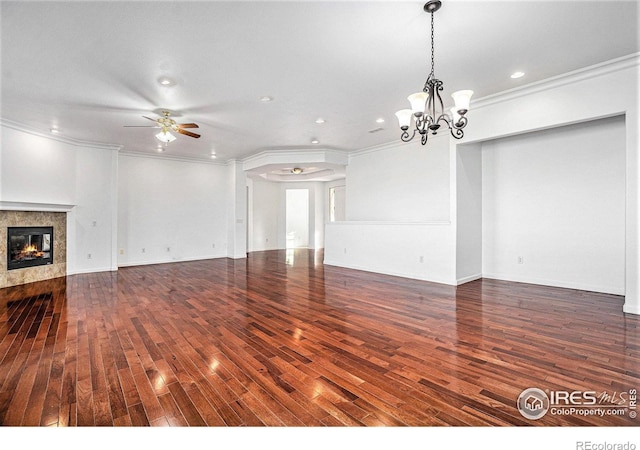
(167, 124)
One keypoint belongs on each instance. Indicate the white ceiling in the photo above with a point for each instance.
(90, 68)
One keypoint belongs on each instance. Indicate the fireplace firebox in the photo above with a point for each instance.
(29, 246)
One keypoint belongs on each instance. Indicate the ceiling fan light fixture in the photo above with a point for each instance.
(165, 136)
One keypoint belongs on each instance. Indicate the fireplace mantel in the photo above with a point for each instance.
(30, 206)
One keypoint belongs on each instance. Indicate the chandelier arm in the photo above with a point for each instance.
(405, 137)
(460, 124)
(444, 117)
(424, 138)
(457, 132)
(423, 122)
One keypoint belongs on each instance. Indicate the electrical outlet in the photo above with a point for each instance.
(213, 245)
(520, 260)
(122, 251)
(94, 223)
(168, 249)
(144, 250)
(88, 255)
(421, 259)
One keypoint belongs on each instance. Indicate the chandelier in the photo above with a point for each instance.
(427, 108)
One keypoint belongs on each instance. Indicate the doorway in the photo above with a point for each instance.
(297, 218)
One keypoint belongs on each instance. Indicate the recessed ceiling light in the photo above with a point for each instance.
(379, 120)
(160, 149)
(213, 155)
(296, 170)
(266, 99)
(315, 141)
(517, 75)
(166, 81)
(320, 120)
(54, 130)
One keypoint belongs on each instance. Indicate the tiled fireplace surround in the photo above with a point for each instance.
(58, 220)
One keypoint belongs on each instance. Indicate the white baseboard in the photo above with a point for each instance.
(165, 261)
(473, 277)
(557, 283)
(412, 276)
(94, 270)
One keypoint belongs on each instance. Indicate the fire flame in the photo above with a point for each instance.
(31, 251)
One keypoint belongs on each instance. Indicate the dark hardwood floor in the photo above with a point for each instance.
(279, 339)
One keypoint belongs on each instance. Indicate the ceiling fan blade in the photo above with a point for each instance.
(155, 120)
(188, 125)
(141, 126)
(188, 133)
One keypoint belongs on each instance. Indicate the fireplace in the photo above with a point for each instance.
(29, 246)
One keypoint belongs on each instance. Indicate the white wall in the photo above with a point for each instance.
(297, 218)
(236, 210)
(95, 214)
(337, 203)
(319, 217)
(175, 210)
(398, 213)
(556, 199)
(55, 171)
(468, 212)
(400, 182)
(37, 169)
(264, 218)
(423, 251)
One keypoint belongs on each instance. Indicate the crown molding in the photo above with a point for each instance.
(64, 139)
(298, 155)
(585, 73)
(394, 144)
(166, 156)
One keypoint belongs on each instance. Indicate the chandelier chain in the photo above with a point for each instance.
(432, 75)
